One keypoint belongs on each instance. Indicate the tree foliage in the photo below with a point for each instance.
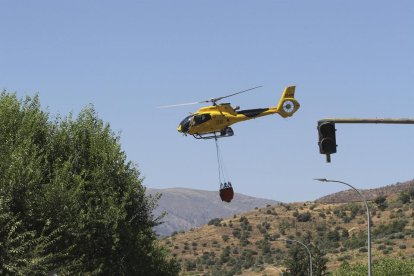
(70, 202)
(304, 217)
(297, 261)
(386, 266)
(404, 197)
(381, 202)
(319, 261)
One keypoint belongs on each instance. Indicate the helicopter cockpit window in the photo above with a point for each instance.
(186, 120)
(185, 124)
(199, 119)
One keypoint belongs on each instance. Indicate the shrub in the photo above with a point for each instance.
(333, 235)
(404, 197)
(386, 229)
(237, 232)
(381, 202)
(386, 251)
(381, 247)
(304, 217)
(215, 221)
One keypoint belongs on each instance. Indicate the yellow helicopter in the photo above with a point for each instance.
(214, 121)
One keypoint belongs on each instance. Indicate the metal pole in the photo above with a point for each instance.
(307, 249)
(368, 216)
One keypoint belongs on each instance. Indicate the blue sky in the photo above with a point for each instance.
(347, 59)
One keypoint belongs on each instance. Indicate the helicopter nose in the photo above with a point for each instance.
(184, 126)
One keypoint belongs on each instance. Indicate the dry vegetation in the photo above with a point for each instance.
(250, 243)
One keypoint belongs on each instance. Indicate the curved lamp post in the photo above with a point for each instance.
(307, 249)
(368, 216)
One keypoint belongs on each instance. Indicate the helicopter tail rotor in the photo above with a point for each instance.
(288, 105)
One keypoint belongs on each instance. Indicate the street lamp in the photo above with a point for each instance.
(368, 216)
(307, 249)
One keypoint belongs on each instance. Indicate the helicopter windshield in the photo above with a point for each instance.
(185, 124)
(186, 120)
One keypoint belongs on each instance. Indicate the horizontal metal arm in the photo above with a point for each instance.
(368, 121)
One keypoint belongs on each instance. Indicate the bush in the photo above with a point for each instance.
(381, 247)
(386, 251)
(304, 217)
(356, 241)
(215, 221)
(333, 235)
(404, 197)
(381, 202)
(395, 226)
(237, 232)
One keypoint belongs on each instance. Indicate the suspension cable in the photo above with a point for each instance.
(221, 171)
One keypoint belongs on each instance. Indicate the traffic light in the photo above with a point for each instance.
(327, 139)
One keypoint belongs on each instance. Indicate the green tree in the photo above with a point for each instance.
(404, 197)
(26, 241)
(381, 202)
(296, 261)
(69, 200)
(319, 262)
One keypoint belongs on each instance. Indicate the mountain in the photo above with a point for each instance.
(370, 194)
(253, 242)
(190, 208)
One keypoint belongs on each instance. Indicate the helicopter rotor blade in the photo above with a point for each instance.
(174, 105)
(212, 100)
(220, 98)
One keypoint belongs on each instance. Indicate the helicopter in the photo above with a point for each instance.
(212, 122)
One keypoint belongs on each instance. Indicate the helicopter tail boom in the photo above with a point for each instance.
(287, 105)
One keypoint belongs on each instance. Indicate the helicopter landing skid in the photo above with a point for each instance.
(227, 132)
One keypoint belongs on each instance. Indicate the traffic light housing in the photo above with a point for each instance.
(327, 139)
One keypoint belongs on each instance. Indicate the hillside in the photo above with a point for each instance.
(370, 194)
(190, 208)
(251, 243)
